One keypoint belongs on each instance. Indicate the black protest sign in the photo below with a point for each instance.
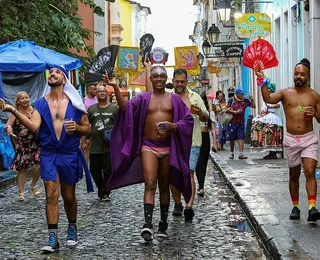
(146, 42)
(102, 64)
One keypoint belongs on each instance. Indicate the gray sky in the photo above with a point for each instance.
(171, 22)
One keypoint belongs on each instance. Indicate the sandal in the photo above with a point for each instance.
(21, 197)
(35, 191)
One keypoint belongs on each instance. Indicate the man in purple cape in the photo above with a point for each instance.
(151, 140)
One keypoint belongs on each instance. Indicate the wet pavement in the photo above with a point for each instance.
(110, 230)
(262, 189)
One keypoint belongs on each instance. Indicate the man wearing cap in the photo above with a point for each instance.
(235, 131)
(151, 139)
(61, 159)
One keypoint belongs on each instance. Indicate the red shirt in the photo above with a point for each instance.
(235, 105)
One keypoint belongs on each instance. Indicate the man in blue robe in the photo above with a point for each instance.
(150, 142)
(61, 159)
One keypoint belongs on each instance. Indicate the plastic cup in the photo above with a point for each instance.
(161, 128)
(192, 108)
(66, 121)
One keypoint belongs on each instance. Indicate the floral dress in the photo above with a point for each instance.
(267, 131)
(27, 149)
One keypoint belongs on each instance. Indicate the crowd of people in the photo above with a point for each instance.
(161, 137)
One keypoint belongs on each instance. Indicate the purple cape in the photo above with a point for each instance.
(126, 139)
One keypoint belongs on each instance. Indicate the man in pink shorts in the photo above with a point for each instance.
(301, 104)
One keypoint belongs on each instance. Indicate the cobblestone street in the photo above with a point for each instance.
(111, 230)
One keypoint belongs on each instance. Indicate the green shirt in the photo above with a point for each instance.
(96, 115)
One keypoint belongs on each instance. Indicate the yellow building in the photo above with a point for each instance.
(133, 18)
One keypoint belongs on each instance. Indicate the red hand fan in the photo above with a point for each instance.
(260, 55)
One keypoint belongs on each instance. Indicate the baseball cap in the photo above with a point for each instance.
(239, 91)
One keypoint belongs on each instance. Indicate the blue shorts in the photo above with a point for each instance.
(235, 132)
(194, 155)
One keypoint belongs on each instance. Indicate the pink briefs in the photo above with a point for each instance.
(158, 148)
(300, 146)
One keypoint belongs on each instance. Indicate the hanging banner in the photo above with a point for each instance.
(128, 60)
(139, 79)
(191, 81)
(253, 25)
(186, 58)
(212, 67)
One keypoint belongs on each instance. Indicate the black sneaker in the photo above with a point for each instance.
(313, 215)
(162, 230)
(177, 211)
(53, 244)
(188, 214)
(147, 232)
(295, 213)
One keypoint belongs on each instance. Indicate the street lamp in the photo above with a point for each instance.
(206, 48)
(224, 10)
(200, 59)
(213, 33)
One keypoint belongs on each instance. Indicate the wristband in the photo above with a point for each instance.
(14, 111)
(263, 81)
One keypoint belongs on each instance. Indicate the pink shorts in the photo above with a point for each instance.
(300, 146)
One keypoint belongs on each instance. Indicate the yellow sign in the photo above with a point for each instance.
(212, 67)
(186, 58)
(253, 25)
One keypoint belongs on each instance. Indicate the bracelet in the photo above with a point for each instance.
(263, 81)
(13, 112)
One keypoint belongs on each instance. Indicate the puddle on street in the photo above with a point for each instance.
(242, 225)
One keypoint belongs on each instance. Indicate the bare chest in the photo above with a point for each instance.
(58, 108)
(296, 101)
(162, 105)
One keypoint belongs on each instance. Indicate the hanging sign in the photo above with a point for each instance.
(212, 67)
(158, 55)
(231, 51)
(253, 25)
